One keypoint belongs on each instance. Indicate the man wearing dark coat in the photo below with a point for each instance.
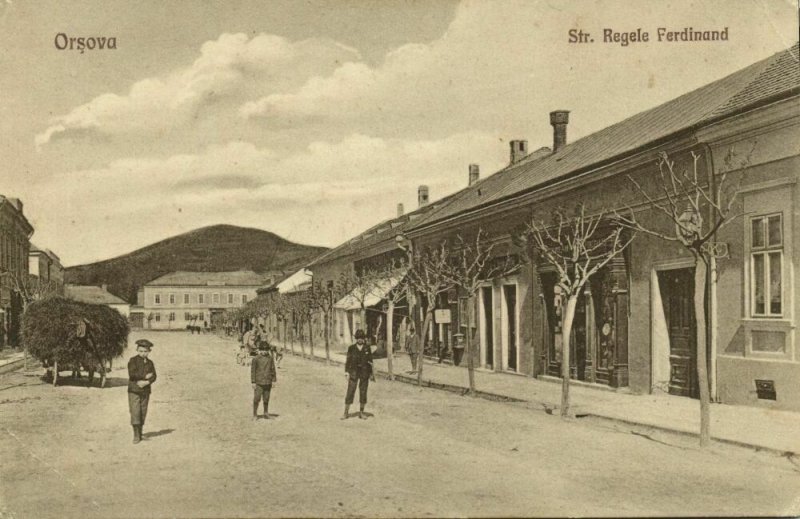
(358, 369)
(262, 376)
(141, 375)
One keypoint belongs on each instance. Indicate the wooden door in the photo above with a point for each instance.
(488, 316)
(510, 293)
(677, 297)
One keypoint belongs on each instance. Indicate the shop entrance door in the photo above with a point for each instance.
(677, 297)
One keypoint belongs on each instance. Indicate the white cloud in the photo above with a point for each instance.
(322, 194)
(232, 65)
(508, 66)
(330, 143)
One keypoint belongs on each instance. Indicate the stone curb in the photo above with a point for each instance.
(12, 366)
(549, 408)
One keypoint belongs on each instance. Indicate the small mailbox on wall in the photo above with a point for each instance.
(765, 389)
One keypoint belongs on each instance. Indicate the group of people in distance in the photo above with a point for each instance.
(263, 375)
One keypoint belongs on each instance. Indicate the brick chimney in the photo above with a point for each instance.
(399, 210)
(559, 119)
(518, 150)
(422, 196)
(474, 173)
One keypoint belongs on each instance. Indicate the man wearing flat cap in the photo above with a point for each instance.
(358, 369)
(262, 377)
(141, 375)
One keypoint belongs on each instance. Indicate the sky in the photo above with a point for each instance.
(314, 119)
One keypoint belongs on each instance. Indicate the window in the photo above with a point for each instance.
(172, 316)
(244, 299)
(158, 318)
(186, 299)
(215, 298)
(202, 316)
(766, 266)
(157, 299)
(201, 299)
(187, 316)
(230, 299)
(172, 299)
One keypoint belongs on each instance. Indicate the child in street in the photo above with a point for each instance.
(262, 377)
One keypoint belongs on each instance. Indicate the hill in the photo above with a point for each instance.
(210, 249)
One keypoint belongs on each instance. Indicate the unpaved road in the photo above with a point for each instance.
(67, 452)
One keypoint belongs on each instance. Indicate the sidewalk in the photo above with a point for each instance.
(11, 361)
(755, 427)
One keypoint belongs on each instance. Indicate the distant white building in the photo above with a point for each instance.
(97, 295)
(178, 299)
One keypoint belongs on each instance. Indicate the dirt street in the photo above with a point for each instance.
(67, 452)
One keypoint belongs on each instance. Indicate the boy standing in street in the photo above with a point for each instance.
(141, 375)
(262, 376)
(358, 369)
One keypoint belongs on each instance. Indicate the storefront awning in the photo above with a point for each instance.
(373, 295)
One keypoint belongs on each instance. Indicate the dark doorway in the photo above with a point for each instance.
(677, 297)
(577, 366)
(510, 293)
(488, 314)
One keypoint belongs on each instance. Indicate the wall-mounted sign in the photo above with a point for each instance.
(441, 316)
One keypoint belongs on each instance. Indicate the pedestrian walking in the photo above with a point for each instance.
(262, 376)
(141, 376)
(358, 368)
(412, 346)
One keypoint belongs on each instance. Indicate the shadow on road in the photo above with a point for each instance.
(154, 434)
(84, 381)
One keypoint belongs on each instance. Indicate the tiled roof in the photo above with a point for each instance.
(382, 232)
(235, 278)
(92, 294)
(775, 76)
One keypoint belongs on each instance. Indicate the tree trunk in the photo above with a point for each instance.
(299, 327)
(55, 373)
(712, 323)
(423, 334)
(700, 274)
(390, 338)
(470, 359)
(327, 326)
(566, 332)
(311, 336)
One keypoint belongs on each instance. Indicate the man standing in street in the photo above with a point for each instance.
(262, 376)
(412, 346)
(358, 369)
(141, 375)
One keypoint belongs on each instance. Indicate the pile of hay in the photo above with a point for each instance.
(49, 329)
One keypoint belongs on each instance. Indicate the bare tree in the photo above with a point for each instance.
(682, 196)
(428, 276)
(577, 246)
(390, 284)
(320, 300)
(471, 264)
(362, 284)
(31, 288)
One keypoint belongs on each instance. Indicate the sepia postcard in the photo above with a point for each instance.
(399, 258)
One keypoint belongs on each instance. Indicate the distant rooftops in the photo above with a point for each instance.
(235, 278)
(92, 294)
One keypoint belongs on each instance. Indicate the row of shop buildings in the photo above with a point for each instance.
(634, 326)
